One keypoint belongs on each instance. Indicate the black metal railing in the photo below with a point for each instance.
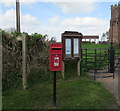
(99, 62)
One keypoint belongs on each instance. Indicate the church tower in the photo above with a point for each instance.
(114, 32)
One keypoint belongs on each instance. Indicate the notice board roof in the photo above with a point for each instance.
(72, 34)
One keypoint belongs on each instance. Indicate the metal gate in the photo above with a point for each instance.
(99, 63)
(117, 60)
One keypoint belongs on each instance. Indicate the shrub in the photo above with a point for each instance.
(37, 56)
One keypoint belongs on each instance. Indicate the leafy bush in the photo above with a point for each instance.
(37, 56)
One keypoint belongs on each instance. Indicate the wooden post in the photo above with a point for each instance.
(63, 69)
(95, 58)
(78, 67)
(86, 57)
(24, 57)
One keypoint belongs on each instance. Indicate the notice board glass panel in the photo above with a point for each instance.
(76, 46)
(68, 46)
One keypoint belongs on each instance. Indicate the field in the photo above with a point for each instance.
(72, 93)
(94, 46)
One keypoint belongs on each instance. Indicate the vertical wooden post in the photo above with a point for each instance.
(63, 69)
(109, 60)
(86, 57)
(78, 67)
(95, 67)
(24, 57)
(81, 61)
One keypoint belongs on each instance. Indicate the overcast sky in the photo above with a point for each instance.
(53, 18)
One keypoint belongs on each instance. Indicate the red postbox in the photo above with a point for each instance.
(55, 61)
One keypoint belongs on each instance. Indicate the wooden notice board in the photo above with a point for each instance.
(72, 43)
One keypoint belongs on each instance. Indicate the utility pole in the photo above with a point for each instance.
(18, 15)
(24, 47)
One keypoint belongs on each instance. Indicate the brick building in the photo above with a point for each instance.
(114, 32)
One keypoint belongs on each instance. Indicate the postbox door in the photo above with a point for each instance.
(56, 61)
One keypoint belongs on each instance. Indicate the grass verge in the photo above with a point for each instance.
(73, 93)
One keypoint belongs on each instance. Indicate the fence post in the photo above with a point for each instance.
(100, 54)
(78, 67)
(24, 57)
(95, 64)
(81, 62)
(86, 57)
(109, 60)
(63, 69)
(112, 60)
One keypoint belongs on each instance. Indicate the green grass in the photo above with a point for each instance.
(73, 93)
(94, 46)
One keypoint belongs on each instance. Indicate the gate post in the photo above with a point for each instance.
(63, 69)
(112, 60)
(95, 67)
(78, 66)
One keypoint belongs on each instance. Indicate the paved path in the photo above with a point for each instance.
(111, 84)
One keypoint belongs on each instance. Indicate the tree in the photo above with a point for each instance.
(105, 36)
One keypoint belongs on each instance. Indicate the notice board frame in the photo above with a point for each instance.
(72, 35)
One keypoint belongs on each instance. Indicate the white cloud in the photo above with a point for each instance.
(85, 25)
(55, 25)
(76, 7)
(78, 0)
(9, 20)
(67, 7)
(11, 3)
(54, 20)
(8, 3)
(28, 19)
(84, 22)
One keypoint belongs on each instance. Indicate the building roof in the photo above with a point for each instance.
(90, 37)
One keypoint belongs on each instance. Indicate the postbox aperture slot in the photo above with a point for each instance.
(56, 48)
